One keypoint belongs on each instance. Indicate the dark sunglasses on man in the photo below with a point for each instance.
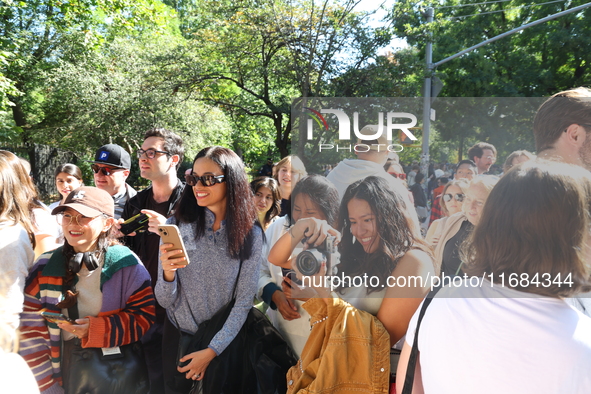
(206, 180)
(104, 170)
(459, 197)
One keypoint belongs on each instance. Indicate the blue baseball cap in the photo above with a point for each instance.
(113, 155)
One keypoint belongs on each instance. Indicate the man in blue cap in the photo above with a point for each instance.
(111, 168)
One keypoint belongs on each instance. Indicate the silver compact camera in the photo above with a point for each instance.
(308, 262)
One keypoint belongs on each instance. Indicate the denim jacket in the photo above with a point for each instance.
(348, 350)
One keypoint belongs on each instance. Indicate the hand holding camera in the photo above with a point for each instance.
(319, 251)
(314, 230)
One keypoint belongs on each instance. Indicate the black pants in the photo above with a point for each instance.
(152, 342)
(174, 381)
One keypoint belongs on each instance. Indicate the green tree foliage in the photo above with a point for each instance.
(536, 62)
(394, 74)
(115, 95)
(40, 32)
(252, 57)
(7, 90)
(236, 61)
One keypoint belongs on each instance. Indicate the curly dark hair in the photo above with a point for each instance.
(396, 235)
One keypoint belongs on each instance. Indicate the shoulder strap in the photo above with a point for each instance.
(414, 353)
(236, 281)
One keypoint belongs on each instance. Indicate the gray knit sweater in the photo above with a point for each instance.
(205, 285)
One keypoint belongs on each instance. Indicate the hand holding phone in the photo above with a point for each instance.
(56, 317)
(134, 223)
(170, 234)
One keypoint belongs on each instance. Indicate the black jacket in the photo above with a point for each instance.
(139, 243)
(419, 195)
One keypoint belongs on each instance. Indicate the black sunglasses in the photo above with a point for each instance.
(459, 197)
(206, 180)
(104, 170)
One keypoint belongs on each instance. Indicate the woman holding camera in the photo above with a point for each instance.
(381, 256)
(105, 291)
(315, 202)
(379, 241)
(216, 218)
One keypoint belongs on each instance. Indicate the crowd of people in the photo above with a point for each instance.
(365, 269)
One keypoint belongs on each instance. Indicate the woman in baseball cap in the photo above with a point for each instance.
(103, 289)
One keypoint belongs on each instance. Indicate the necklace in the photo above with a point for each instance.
(318, 321)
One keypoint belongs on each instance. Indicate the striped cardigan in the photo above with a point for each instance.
(127, 312)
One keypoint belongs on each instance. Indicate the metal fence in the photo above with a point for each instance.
(44, 160)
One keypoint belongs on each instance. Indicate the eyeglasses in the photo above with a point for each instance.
(105, 170)
(459, 197)
(65, 219)
(402, 177)
(151, 153)
(206, 180)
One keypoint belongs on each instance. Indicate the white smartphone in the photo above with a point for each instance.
(170, 234)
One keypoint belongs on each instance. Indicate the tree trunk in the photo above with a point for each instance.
(18, 114)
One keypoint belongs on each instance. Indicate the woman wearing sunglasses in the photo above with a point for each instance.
(458, 226)
(395, 169)
(216, 218)
(105, 291)
(451, 202)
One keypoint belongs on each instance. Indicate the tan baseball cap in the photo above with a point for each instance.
(373, 143)
(89, 201)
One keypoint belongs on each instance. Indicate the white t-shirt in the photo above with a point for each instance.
(15, 375)
(487, 340)
(16, 257)
(54, 205)
(297, 331)
(45, 223)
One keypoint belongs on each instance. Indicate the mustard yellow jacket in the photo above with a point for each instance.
(348, 351)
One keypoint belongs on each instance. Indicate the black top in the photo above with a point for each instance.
(451, 251)
(145, 243)
(419, 195)
(285, 207)
(266, 170)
